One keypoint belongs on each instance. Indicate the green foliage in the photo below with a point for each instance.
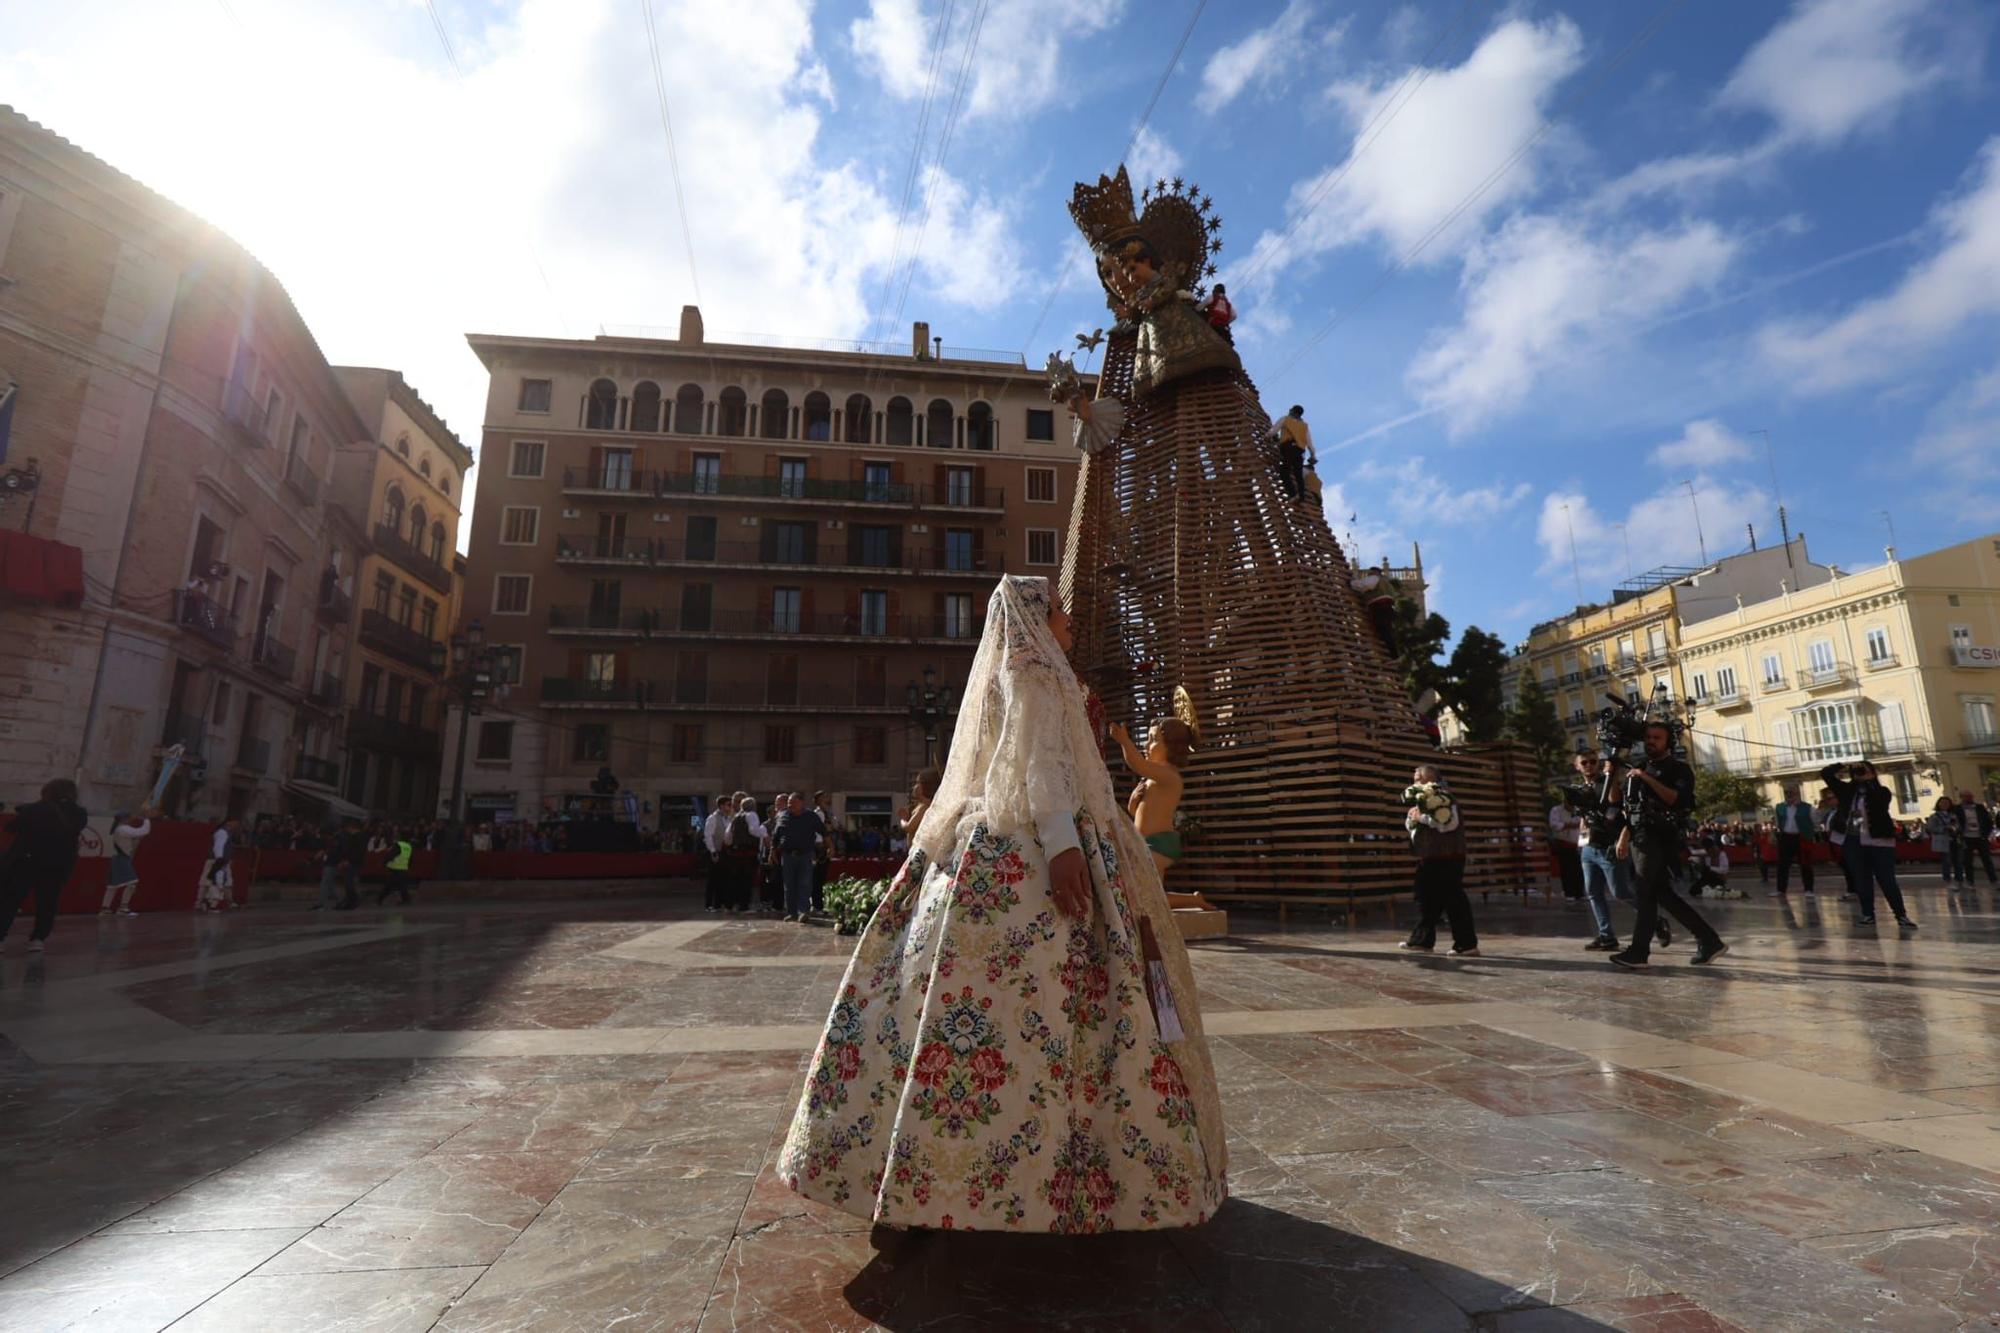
(1718, 792)
(1474, 689)
(852, 901)
(1419, 640)
(1533, 722)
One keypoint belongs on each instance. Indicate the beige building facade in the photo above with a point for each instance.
(1899, 663)
(721, 566)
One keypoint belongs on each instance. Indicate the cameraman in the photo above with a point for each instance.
(1606, 872)
(1869, 848)
(1658, 796)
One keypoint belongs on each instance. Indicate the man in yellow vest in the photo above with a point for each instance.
(398, 880)
(1295, 447)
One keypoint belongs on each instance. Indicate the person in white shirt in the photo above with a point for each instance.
(714, 837)
(482, 839)
(218, 880)
(127, 832)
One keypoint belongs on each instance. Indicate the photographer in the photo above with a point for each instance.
(1658, 795)
(1861, 812)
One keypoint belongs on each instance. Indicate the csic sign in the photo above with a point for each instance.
(1975, 655)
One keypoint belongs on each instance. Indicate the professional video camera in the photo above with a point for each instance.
(1622, 726)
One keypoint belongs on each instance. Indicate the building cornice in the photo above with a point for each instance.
(1825, 615)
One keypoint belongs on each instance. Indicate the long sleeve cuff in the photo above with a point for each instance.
(1057, 831)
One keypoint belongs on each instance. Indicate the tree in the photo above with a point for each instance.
(1533, 722)
(1474, 684)
(1419, 640)
(1719, 792)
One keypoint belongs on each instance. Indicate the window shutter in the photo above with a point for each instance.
(856, 470)
(771, 464)
(895, 608)
(895, 474)
(684, 461)
(1895, 736)
(979, 484)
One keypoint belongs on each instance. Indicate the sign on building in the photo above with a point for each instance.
(1975, 655)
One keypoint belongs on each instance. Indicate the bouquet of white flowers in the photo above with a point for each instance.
(1428, 797)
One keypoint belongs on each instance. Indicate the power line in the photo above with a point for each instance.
(1631, 48)
(673, 154)
(444, 39)
(944, 146)
(911, 172)
(1145, 116)
(1387, 112)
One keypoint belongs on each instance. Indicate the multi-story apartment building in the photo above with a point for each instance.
(1896, 662)
(179, 426)
(405, 485)
(711, 566)
(1629, 645)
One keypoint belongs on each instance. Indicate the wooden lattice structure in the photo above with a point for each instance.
(1188, 565)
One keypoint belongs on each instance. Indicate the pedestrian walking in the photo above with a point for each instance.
(121, 879)
(1797, 830)
(1870, 844)
(1658, 795)
(340, 868)
(396, 870)
(796, 836)
(1975, 837)
(217, 888)
(1941, 825)
(1437, 838)
(746, 837)
(39, 861)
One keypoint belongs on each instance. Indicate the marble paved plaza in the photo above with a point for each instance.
(564, 1116)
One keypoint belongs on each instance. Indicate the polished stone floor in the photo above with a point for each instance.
(563, 1116)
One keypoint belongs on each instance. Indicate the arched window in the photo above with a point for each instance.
(818, 416)
(392, 509)
(774, 416)
(899, 422)
(938, 421)
(403, 445)
(859, 427)
(424, 467)
(687, 409)
(979, 432)
(437, 542)
(646, 406)
(600, 409)
(419, 520)
(732, 412)
(444, 484)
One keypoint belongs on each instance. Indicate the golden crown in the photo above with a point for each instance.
(1103, 212)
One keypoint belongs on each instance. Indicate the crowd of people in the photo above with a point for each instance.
(777, 858)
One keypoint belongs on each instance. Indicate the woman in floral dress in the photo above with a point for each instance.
(1016, 1044)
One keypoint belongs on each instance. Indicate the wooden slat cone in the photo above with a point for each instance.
(1188, 565)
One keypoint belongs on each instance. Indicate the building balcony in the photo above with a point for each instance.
(1982, 740)
(1725, 700)
(324, 690)
(789, 490)
(276, 660)
(1597, 672)
(299, 479)
(187, 730)
(319, 772)
(1578, 717)
(588, 622)
(986, 499)
(1770, 686)
(1656, 657)
(335, 607)
(408, 555)
(206, 619)
(374, 730)
(253, 755)
(1572, 678)
(733, 696)
(1881, 663)
(679, 552)
(385, 635)
(1823, 678)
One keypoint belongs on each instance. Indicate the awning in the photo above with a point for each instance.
(36, 569)
(334, 804)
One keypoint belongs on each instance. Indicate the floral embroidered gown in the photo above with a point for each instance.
(990, 1063)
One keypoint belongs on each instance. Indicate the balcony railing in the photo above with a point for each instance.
(612, 480)
(1979, 739)
(325, 690)
(335, 607)
(303, 483)
(378, 731)
(806, 489)
(1655, 656)
(576, 690)
(1769, 686)
(187, 730)
(640, 622)
(274, 659)
(392, 543)
(1597, 671)
(965, 497)
(319, 772)
(1819, 678)
(653, 694)
(586, 549)
(205, 618)
(401, 642)
(1572, 678)
(1881, 662)
(253, 755)
(1730, 698)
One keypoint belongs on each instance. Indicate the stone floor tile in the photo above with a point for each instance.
(402, 1300)
(105, 1283)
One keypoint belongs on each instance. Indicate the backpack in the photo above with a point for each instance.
(741, 839)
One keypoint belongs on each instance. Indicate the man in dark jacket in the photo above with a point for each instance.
(1659, 792)
(41, 857)
(1975, 834)
(341, 868)
(1862, 814)
(1437, 838)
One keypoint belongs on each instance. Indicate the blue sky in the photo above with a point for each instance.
(1530, 267)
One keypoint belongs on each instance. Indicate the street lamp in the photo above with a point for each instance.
(471, 680)
(927, 704)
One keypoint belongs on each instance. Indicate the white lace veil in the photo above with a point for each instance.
(1024, 744)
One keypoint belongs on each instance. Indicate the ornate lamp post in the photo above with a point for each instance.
(471, 681)
(928, 705)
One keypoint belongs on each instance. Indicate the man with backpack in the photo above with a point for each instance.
(746, 837)
(39, 861)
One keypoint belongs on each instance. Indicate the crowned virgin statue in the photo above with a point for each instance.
(1016, 1044)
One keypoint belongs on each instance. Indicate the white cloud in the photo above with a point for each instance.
(1152, 157)
(1016, 69)
(1661, 530)
(1441, 140)
(1265, 58)
(1955, 285)
(419, 246)
(1832, 67)
(1704, 444)
(1543, 290)
(1422, 494)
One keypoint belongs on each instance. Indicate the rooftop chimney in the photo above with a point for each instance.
(691, 325)
(920, 340)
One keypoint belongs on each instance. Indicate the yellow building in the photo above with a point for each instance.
(403, 579)
(1899, 663)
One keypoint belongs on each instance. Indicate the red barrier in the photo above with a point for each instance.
(169, 862)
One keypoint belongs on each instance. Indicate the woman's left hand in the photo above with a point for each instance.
(1069, 884)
